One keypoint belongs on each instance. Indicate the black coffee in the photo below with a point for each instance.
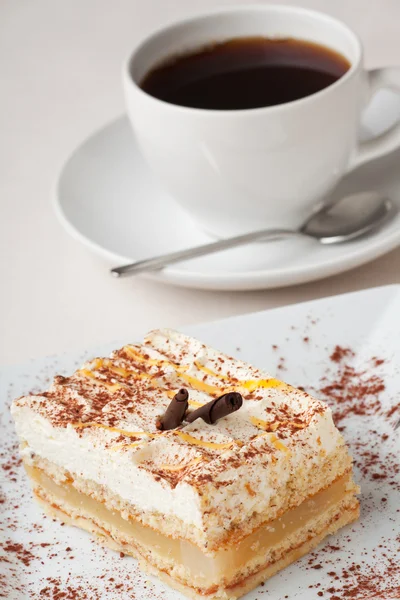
(246, 73)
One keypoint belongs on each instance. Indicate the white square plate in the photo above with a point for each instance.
(305, 335)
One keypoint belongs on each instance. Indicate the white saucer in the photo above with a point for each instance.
(107, 198)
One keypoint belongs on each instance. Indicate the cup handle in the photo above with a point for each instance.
(385, 78)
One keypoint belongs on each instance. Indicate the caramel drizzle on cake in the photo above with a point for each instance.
(132, 373)
(194, 383)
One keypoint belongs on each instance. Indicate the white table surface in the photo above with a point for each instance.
(60, 80)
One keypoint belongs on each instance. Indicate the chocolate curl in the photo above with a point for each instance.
(217, 409)
(175, 412)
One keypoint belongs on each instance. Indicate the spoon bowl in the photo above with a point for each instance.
(349, 218)
(345, 220)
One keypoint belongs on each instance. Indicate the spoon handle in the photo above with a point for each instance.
(158, 262)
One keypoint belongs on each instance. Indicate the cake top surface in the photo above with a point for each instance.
(115, 404)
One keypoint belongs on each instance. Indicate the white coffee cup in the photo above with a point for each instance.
(242, 170)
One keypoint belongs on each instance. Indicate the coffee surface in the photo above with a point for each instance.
(245, 73)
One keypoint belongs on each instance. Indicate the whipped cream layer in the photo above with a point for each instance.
(100, 424)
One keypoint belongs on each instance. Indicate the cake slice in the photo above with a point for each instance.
(214, 474)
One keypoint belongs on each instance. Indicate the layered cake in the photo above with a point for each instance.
(212, 473)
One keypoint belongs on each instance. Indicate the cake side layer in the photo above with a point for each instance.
(177, 528)
(344, 516)
(323, 510)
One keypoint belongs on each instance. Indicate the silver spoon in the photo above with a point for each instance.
(347, 219)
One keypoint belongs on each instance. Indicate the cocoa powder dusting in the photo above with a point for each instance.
(351, 391)
(10, 461)
(340, 353)
(360, 580)
(354, 391)
(22, 554)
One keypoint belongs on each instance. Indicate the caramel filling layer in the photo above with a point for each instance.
(278, 535)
